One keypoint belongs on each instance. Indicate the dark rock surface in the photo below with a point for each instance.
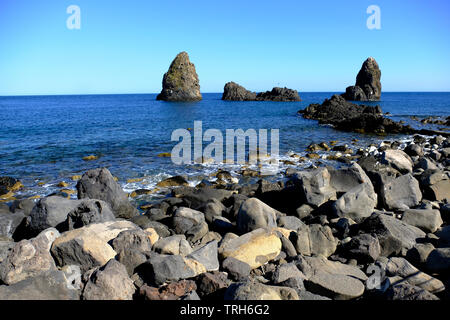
(180, 82)
(368, 83)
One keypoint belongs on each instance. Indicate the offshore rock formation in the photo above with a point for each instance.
(180, 82)
(368, 84)
(234, 92)
(347, 116)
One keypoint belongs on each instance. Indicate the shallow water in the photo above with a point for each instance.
(44, 138)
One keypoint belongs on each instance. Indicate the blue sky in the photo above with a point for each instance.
(126, 46)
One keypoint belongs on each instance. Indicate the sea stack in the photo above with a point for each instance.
(180, 82)
(368, 84)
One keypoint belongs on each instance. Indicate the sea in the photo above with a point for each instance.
(43, 139)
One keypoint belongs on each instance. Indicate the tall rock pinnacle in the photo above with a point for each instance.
(180, 82)
(368, 84)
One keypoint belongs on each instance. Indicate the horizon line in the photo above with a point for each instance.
(156, 93)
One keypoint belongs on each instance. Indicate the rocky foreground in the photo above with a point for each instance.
(374, 228)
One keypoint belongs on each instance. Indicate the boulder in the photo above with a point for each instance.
(176, 245)
(88, 247)
(401, 193)
(427, 220)
(173, 182)
(286, 271)
(252, 290)
(237, 269)
(197, 198)
(365, 248)
(234, 92)
(9, 223)
(180, 82)
(212, 209)
(355, 93)
(394, 235)
(171, 291)
(440, 191)
(134, 239)
(160, 269)
(398, 160)
(439, 260)
(190, 223)
(87, 212)
(331, 279)
(255, 214)
(322, 241)
(212, 284)
(254, 248)
(357, 203)
(316, 186)
(406, 291)
(413, 276)
(29, 258)
(207, 256)
(5, 249)
(110, 282)
(51, 285)
(100, 184)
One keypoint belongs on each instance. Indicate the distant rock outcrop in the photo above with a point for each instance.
(368, 84)
(346, 116)
(278, 94)
(180, 82)
(235, 92)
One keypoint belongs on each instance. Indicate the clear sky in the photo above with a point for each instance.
(125, 46)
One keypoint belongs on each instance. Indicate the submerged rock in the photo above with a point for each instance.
(180, 82)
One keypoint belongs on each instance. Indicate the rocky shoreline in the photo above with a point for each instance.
(373, 227)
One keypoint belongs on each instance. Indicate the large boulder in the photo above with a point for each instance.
(427, 220)
(88, 247)
(252, 290)
(254, 248)
(394, 235)
(180, 82)
(100, 184)
(51, 285)
(160, 269)
(401, 267)
(357, 203)
(255, 214)
(176, 244)
(9, 223)
(368, 84)
(190, 223)
(234, 92)
(331, 279)
(365, 248)
(207, 256)
(29, 258)
(110, 282)
(398, 160)
(316, 187)
(401, 193)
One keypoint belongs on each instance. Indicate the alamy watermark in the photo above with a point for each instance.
(374, 20)
(74, 20)
(190, 149)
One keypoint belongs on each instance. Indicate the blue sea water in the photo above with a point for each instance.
(44, 138)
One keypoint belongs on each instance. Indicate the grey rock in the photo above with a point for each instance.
(234, 92)
(132, 239)
(100, 184)
(213, 208)
(9, 223)
(237, 269)
(439, 260)
(51, 285)
(398, 160)
(176, 245)
(316, 186)
(364, 248)
(286, 271)
(357, 203)
(87, 212)
(426, 220)
(252, 290)
(394, 235)
(207, 256)
(110, 282)
(418, 254)
(29, 258)
(180, 82)
(322, 240)
(401, 193)
(405, 291)
(255, 214)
